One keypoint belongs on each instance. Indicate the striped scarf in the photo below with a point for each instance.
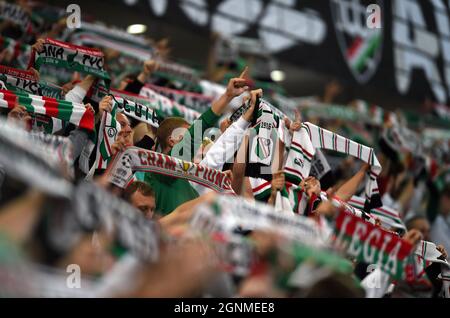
(106, 137)
(177, 72)
(429, 253)
(73, 113)
(193, 101)
(168, 108)
(20, 52)
(26, 82)
(388, 217)
(424, 256)
(118, 40)
(109, 127)
(303, 149)
(134, 159)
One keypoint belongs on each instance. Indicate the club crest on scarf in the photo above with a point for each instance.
(185, 166)
(360, 45)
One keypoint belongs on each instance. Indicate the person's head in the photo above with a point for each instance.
(420, 223)
(171, 132)
(125, 131)
(20, 117)
(142, 197)
(335, 286)
(311, 185)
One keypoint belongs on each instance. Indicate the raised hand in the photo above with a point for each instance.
(105, 105)
(296, 125)
(253, 97)
(237, 86)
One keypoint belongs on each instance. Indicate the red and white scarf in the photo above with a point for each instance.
(135, 159)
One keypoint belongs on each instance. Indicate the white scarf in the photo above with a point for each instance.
(262, 145)
(303, 149)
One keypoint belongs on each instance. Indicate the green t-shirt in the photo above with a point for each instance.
(172, 192)
(169, 192)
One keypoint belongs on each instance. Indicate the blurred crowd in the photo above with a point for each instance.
(127, 173)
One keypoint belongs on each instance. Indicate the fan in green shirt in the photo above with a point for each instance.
(172, 192)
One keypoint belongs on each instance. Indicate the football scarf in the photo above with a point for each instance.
(20, 52)
(19, 80)
(15, 14)
(168, 108)
(388, 217)
(429, 253)
(135, 159)
(96, 208)
(262, 142)
(229, 213)
(193, 101)
(73, 113)
(118, 40)
(321, 170)
(32, 162)
(46, 124)
(60, 144)
(109, 127)
(108, 131)
(303, 149)
(177, 72)
(26, 82)
(71, 57)
(376, 113)
(137, 111)
(424, 256)
(371, 244)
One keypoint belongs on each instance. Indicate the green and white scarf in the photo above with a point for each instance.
(303, 149)
(116, 39)
(193, 101)
(262, 145)
(109, 127)
(229, 213)
(106, 137)
(16, 48)
(388, 217)
(72, 57)
(168, 108)
(137, 111)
